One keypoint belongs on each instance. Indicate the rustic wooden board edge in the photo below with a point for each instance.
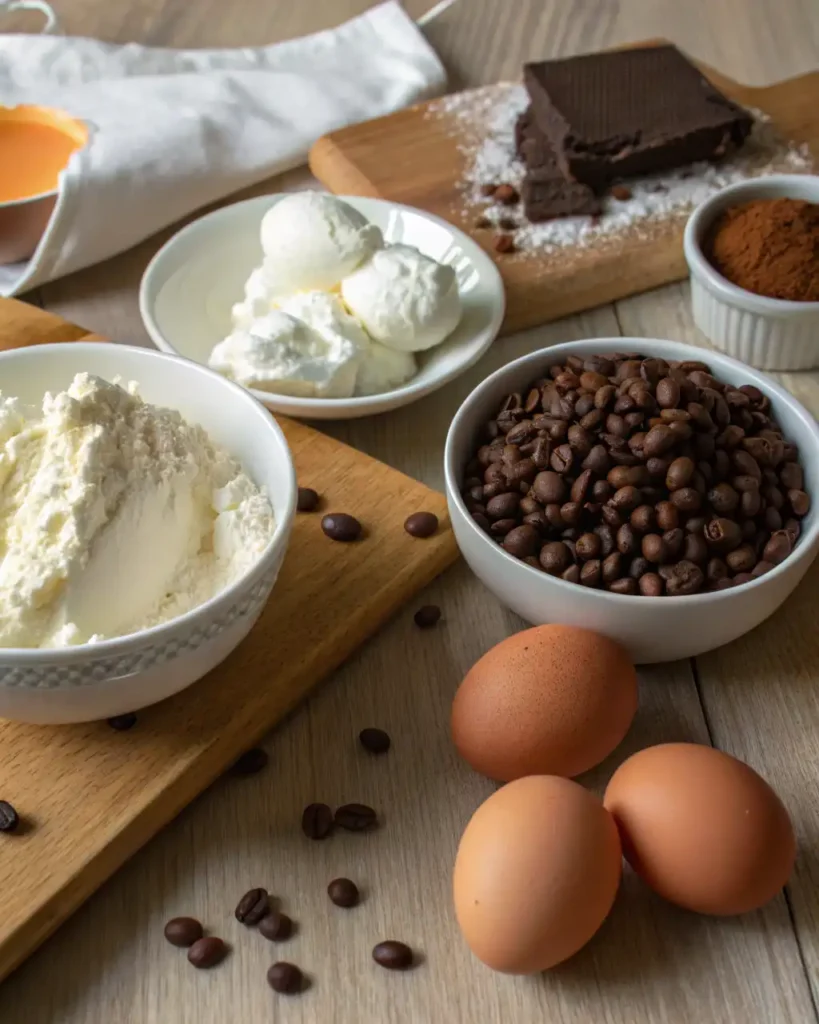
(130, 831)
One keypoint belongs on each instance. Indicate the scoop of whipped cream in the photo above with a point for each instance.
(404, 299)
(88, 485)
(312, 240)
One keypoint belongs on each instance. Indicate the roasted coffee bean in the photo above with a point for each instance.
(626, 498)
(581, 486)
(745, 465)
(562, 458)
(685, 578)
(591, 573)
(651, 585)
(395, 956)
(522, 541)
(549, 488)
(502, 526)
(792, 476)
(374, 741)
(287, 979)
(686, 499)
(642, 518)
(716, 569)
(653, 548)
(723, 535)
(276, 927)
(355, 817)
(612, 568)
(800, 502)
(588, 546)
(555, 558)
(741, 559)
(207, 952)
(673, 540)
(625, 585)
(571, 513)
(777, 549)
(251, 762)
(343, 892)
(427, 616)
(504, 506)
(317, 821)
(694, 548)
(424, 524)
(583, 406)
(793, 530)
(679, 473)
(9, 819)
(122, 723)
(639, 567)
(183, 931)
(481, 520)
(723, 499)
(668, 393)
(538, 519)
(602, 491)
(761, 568)
(628, 542)
(341, 527)
(307, 500)
(608, 543)
(252, 907)
(772, 516)
(667, 515)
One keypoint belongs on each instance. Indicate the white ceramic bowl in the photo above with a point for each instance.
(653, 629)
(95, 681)
(771, 334)
(191, 284)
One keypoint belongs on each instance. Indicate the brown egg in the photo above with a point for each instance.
(536, 874)
(701, 828)
(553, 700)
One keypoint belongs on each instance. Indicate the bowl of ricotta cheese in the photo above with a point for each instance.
(145, 509)
(324, 307)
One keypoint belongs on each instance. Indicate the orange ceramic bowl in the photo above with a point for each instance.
(36, 143)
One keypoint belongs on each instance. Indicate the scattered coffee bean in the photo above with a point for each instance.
(9, 819)
(252, 907)
(421, 524)
(483, 222)
(355, 817)
(395, 956)
(620, 192)
(343, 892)
(307, 500)
(507, 224)
(427, 616)
(183, 931)
(251, 762)
(374, 741)
(122, 723)
(276, 926)
(507, 194)
(207, 952)
(504, 243)
(488, 190)
(339, 526)
(317, 821)
(653, 460)
(285, 978)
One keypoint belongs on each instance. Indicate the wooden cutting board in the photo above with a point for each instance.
(413, 157)
(93, 796)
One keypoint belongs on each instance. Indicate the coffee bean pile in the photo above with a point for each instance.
(639, 476)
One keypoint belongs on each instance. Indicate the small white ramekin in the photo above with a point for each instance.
(770, 334)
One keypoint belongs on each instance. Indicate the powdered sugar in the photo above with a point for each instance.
(483, 123)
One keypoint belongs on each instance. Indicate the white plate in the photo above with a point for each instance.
(190, 285)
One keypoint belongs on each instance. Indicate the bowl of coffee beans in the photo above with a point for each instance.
(649, 490)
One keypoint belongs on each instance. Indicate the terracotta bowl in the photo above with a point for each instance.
(36, 144)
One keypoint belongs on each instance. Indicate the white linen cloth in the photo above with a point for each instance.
(174, 130)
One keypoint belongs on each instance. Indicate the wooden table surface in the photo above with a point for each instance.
(756, 698)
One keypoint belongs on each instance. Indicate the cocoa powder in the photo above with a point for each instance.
(770, 247)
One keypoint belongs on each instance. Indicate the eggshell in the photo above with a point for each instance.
(553, 700)
(536, 874)
(702, 828)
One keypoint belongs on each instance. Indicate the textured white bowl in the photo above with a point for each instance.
(94, 681)
(654, 629)
(770, 334)
(190, 285)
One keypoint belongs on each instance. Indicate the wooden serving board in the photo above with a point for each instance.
(413, 157)
(93, 796)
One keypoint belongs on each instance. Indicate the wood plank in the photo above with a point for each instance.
(95, 796)
(417, 156)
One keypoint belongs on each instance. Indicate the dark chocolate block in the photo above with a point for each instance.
(630, 112)
(546, 192)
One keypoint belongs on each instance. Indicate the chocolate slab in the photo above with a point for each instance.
(630, 112)
(546, 192)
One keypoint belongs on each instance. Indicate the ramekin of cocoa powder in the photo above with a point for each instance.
(753, 253)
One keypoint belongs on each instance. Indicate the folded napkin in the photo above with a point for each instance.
(174, 130)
